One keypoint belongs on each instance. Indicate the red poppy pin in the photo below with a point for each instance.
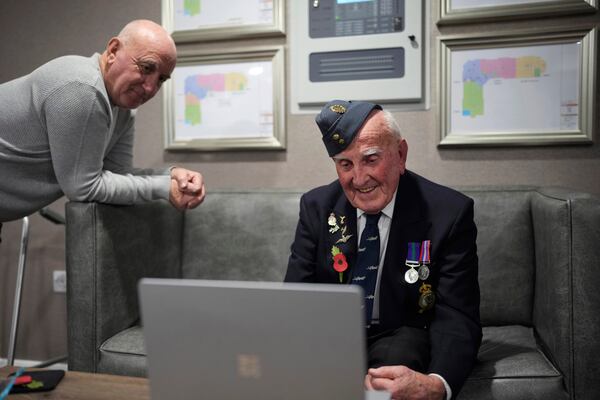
(339, 262)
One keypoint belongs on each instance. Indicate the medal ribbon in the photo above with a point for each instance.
(412, 257)
(424, 257)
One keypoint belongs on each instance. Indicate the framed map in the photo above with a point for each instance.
(523, 88)
(458, 11)
(205, 20)
(226, 101)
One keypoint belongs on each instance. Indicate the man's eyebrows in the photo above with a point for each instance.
(371, 150)
(148, 60)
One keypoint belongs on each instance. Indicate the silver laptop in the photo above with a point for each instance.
(253, 340)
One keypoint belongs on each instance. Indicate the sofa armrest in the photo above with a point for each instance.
(567, 252)
(108, 249)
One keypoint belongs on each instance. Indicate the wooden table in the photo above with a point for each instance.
(86, 386)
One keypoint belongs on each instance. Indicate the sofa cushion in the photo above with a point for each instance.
(511, 366)
(124, 353)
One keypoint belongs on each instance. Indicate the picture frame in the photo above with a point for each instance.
(208, 20)
(465, 11)
(229, 100)
(534, 87)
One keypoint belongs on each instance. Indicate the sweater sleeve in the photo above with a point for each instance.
(78, 123)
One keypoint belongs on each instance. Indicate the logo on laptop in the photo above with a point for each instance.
(249, 366)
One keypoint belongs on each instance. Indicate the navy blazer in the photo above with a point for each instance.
(423, 211)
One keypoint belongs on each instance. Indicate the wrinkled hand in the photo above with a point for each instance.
(187, 188)
(405, 384)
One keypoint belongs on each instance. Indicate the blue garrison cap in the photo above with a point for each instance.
(339, 121)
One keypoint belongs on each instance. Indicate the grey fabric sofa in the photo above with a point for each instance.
(539, 252)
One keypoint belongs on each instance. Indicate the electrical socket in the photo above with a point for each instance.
(59, 281)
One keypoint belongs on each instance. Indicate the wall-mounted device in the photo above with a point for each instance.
(356, 50)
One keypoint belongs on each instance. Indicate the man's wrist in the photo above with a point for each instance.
(447, 389)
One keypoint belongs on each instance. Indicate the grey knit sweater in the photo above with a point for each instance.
(59, 134)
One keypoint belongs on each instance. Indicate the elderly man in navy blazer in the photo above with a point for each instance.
(410, 244)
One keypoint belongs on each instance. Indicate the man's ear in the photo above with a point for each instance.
(403, 150)
(112, 47)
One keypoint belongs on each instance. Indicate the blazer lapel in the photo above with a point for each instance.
(344, 237)
(409, 224)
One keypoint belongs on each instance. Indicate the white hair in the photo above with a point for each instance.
(391, 124)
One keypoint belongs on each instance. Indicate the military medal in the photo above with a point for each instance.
(411, 276)
(423, 272)
(427, 298)
(332, 222)
(412, 261)
(425, 260)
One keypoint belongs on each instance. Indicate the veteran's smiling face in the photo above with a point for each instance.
(369, 169)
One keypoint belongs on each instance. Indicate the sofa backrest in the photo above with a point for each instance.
(240, 235)
(246, 235)
(505, 247)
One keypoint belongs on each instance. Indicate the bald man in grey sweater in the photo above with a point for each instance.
(67, 128)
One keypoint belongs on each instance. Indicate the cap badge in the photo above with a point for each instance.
(338, 108)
